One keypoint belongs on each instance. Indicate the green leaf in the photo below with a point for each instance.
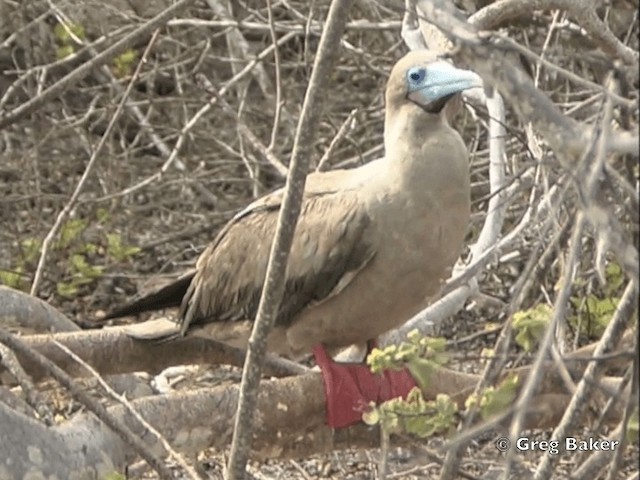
(117, 250)
(12, 278)
(70, 232)
(31, 248)
(494, 401)
(615, 278)
(67, 290)
(416, 416)
(64, 33)
(593, 314)
(398, 356)
(103, 215)
(78, 262)
(530, 325)
(472, 401)
(64, 52)
(82, 271)
(123, 64)
(371, 417)
(421, 370)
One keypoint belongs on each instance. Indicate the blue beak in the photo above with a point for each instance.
(437, 81)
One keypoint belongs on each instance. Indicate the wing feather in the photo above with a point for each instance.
(328, 249)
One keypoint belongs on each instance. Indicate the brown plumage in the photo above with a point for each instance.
(372, 243)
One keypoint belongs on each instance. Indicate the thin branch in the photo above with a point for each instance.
(278, 80)
(62, 216)
(509, 43)
(411, 34)
(629, 409)
(111, 350)
(196, 118)
(610, 337)
(583, 11)
(33, 397)
(559, 312)
(82, 71)
(246, 132)
(497, 159)
(610, 234)
(483, 54)
(85, 399)
(346, 127)
(597, 460)
(297, 28)
(188, 469)
(274, 285)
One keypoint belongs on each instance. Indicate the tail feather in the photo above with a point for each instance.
(168, 296)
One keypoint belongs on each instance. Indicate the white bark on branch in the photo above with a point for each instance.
(289, 421)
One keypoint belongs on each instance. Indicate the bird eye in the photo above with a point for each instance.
(417, 74)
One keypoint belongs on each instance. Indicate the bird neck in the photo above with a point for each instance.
(414, 141)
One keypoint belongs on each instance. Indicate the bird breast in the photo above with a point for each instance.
(418, 223)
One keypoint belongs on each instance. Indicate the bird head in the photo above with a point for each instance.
(420, 78)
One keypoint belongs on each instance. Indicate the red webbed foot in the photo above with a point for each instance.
(350, 387)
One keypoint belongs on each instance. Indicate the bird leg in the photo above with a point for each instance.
(351, 387)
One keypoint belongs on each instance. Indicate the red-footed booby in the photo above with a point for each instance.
(371, 246)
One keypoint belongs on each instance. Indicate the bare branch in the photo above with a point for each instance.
(33, 396)
(274, 284)
(22, 312)
(79, 73)
(485, 54)
(188, 469)
(617, 325)
(559, 311)
(111, 350)
(64, 213)
(172, 157)
(583, 11)
(85, 399)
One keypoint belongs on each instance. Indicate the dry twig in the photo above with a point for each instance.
(294, 189)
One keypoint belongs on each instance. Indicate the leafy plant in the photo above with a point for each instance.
(30, 248)
(80, 271)
(12, 278)
(76, 256)
(118, 250)
(124, 63)
(70, 232)
(103, 215)
(420, 354)
(614, 278)
(415, 415)
(66, 32)
(66, 36)
(530, 325)
(64, 51)
(81, 274)
(29, 253)
(593, 315)
(495, 400)
(594, 311)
